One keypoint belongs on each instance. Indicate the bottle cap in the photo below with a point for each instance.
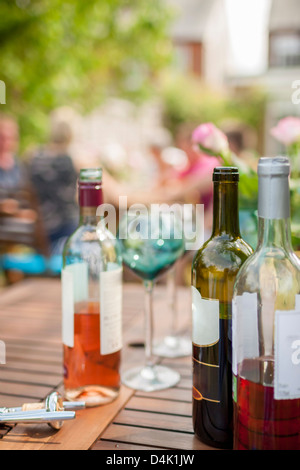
(90, 175)
(277, 166)
(273, 187)
(90, 187)
(225, 173)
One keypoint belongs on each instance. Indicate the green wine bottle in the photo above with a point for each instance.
(214, 271)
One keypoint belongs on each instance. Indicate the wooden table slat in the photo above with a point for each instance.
(18, 377)
(115, 446)
(162, 439)
(15, 363)
(160, 406)
(25, 390)
(175, 394)
(155, 420)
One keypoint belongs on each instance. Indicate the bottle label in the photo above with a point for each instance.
(287, 355)
(205, 314)
(74, 278)
(212, 361)
(245, 344)
(111, 310)
(244, 329)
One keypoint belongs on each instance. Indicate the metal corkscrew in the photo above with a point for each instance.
(54, 411)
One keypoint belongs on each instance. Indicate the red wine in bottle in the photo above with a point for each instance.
(261, 422)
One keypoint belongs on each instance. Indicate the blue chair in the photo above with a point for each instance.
(27, 263)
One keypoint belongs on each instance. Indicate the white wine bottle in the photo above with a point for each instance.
(266, 324)
(214, 271)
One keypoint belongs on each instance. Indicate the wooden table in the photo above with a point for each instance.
(30, 319)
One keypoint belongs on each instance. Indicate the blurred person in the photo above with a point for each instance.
(10, 177)
(158, 168)
(53, 176)
(11, 174)
(191, 182)
(21, 231)
(182, 175)
(198, 171)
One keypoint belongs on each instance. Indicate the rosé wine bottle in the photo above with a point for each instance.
(266, 325)
(91, 302)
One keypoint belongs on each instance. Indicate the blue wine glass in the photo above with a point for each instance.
(151, 241)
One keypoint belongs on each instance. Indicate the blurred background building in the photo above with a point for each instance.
(231, 49)
(280, 67)
(214, 59)
(127, 82)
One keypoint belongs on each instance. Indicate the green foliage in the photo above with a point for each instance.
(58, 52)
(188, 100)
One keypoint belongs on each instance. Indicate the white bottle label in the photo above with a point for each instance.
(74, 279)
(205, 315)
(287, 355)
(244, 329)
(111, 311)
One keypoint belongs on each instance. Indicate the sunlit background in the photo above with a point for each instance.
(248, 35)
(114, 81)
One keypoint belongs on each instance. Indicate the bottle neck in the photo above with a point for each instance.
(225, 209)
(274, 233)
(89, 198)
(274, 228)
(87, 216)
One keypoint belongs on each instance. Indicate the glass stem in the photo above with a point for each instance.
(149, 321)
(172, 291)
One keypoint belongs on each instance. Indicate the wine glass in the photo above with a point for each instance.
(175, 344)
(151, 241)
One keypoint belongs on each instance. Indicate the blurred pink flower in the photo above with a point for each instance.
(287, 130)
(208, 137)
